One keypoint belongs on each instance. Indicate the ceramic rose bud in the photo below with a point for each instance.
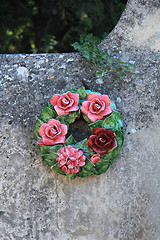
(102, 140)
(95, 158)
(52, 133)
(70, 159)
(96, 107)
(65, 103)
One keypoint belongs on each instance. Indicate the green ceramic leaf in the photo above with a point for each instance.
(82, 93)
(87, 169)
(70, 140)
(47, 113)
(50, 159)
(41, 149)
(101, 167)
(58, 169)
(119, 137)
(86, 118)
(97, 124)
(73, 91)
(89, 151)
(38, 124)
(82, 145)
(63, 119)
(113, 106)
(84, 173)
(72, 116)
(89, 165)
(53, 149)
(49, 105)
(113, 121)
(111, 155)
(89, 91)
(71, 176)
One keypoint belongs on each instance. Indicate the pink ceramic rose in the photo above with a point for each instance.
(96, 106)
(65, 103)
(70, 159)
(95, 158)
(52, 133)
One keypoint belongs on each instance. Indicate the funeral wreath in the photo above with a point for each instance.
(63, 153)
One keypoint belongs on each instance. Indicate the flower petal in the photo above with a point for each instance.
(42, 129)
(61, 157)
(93, 95)
(91, 141)
(77, 154)
(112, 145)
(106, 111)
(97, 131)
(74, 108)
(81, 164)
(60, 111)
(76, 170)
(110, 133)
(62, 162)
(53, 121)
(75, 97)
(82, 158)
(40, 143)
(64, 129)
(69, 94)
(69, 147)
(70, 166)
(60, 140)
(54, 99)
(85, 107)
(96, 106)
(47, 141)
(73, 151)
(106, 99)
(64, 169)
(94, 117)
(95, 158)
(68, 102)
(100, 150)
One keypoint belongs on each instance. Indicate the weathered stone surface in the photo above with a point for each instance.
(138, 27)
(37, 203)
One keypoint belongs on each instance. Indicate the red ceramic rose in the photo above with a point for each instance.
(52, 133)
(65, 103)
(96, 106)
(102, 140)
(70, 159)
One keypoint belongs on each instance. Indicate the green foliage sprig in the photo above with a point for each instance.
(88, 46)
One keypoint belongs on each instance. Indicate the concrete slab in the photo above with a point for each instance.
(122, 204)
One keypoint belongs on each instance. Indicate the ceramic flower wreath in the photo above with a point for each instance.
(89, 156)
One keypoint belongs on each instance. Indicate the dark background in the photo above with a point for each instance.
(34, 26)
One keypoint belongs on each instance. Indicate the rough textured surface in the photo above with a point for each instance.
(37, 203)
(138, 27)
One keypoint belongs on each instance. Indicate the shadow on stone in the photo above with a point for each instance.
(79, 130)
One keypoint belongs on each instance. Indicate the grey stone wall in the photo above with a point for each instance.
(121, 204)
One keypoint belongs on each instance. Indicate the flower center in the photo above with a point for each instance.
(53, 131)
(102, 141)
(96, 107)
(65, 101)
